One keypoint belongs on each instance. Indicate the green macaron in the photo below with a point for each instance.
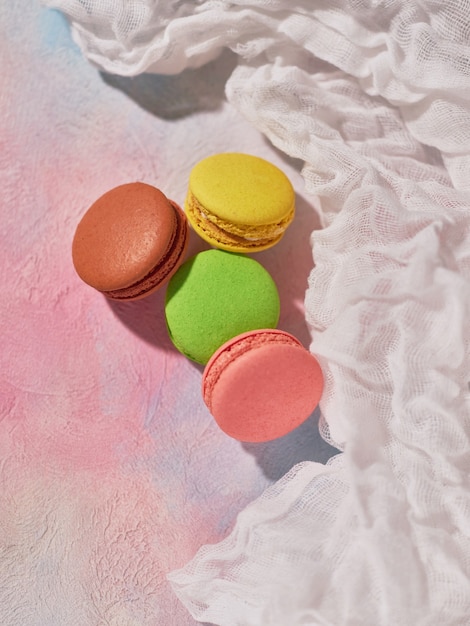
(214, 296)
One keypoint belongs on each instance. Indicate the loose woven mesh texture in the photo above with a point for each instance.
(374, 97)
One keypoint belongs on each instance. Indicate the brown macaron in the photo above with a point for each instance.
(130, 241)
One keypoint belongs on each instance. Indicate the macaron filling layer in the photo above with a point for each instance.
(234, 349)
(232, 234)
(165, 266)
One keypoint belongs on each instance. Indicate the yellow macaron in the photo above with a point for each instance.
(239, 202)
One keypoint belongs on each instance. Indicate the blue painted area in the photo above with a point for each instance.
(55, 31)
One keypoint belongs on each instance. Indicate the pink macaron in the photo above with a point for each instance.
(261, 385)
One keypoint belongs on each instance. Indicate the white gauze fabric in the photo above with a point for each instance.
(374, 97)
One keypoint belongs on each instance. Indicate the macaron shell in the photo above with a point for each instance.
(122, 236)
(265, 392)
(242, 188)
(214, 296)
(165, 267)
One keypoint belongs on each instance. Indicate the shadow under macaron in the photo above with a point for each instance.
(145, 318)
(290, 262)
(275, 458)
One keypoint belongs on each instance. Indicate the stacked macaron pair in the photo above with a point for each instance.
(222, 307)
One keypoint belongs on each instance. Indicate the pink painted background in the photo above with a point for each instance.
(112, 472)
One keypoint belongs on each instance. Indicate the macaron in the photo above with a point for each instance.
(239, 202)
(261, 385)
(130, 241)
(214, 296)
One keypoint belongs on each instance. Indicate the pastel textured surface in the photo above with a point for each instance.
(112, 473)
(373, 100)
(214, 296)
(239, 202)
(261, 385)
